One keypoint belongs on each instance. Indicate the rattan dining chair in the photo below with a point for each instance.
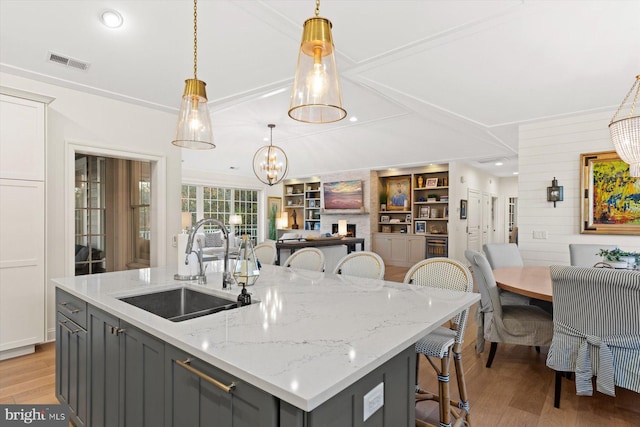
(361, 264)
(511, 324)
(266, 252)
(442, 343)
(606, 342)
(306, 259)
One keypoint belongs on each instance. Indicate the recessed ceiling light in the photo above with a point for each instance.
(499, 163)
(353, 119)
(111, 18)
(515, 173)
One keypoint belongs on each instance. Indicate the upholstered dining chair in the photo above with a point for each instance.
(510, 324)
(266, 252)
(586, 255)
(502, 255)
(596, 329)
(306, 259)
(444, 273)
(361, 264)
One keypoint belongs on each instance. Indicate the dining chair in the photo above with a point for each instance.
(502, 255)
(442, 343)
(586, 255)
(266, 252)
(361, 264)
(306, 259)
(606, 342)
(510, 324)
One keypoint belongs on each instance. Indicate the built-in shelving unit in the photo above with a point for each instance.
(302, 203)
(413, 215)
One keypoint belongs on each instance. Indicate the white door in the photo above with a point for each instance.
(485, 217)
(474, 213)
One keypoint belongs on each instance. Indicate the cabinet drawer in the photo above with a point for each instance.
(72, 307)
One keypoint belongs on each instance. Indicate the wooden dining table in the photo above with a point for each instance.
(531, 281)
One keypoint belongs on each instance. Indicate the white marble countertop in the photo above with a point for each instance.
(310, 336)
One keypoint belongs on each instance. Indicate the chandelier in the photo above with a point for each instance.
(270, 163)
(194, 122)
(316, 94)
(625, 132)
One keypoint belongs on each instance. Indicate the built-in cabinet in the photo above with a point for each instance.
(302, 203)
(412, 215)
(22, 228)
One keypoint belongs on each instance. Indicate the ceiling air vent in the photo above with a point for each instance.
(69, 62)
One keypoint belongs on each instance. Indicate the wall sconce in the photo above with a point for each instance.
(554, 193)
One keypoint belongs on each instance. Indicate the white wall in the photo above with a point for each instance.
(101, 123)
(462, 178)
(552, 148)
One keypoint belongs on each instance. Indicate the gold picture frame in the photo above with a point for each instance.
(398, 191)
(610, 195)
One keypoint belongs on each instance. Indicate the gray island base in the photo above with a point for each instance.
(304, 354)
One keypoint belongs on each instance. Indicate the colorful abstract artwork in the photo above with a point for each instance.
(611, 195)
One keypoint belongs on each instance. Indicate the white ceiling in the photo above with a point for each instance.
(429, 81)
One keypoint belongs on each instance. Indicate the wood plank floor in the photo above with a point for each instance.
(516, 391)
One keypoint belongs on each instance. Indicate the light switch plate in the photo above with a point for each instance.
(373, 401)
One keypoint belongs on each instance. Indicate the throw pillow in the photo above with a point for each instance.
(213, 239)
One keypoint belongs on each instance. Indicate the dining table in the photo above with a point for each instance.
(531, 281)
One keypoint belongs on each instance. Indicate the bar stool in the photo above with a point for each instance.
(442, 343)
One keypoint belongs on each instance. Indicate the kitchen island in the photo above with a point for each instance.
(316, 344)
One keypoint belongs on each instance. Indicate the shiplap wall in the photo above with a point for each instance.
(552, 148)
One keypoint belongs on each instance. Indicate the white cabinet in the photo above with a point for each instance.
(21, 139)
(22, 225)
(416, 248)
(399, 249)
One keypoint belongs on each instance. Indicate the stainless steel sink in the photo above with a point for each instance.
(180, 304)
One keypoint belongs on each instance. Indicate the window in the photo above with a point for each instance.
(90, 214)
(140, 206)
(220, 203)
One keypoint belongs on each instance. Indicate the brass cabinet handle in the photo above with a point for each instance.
(70, 310)
(71, 331)
(186, 365)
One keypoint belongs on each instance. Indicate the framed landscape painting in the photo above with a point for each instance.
(610, 196)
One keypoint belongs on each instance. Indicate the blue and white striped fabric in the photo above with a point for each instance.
(596, 316)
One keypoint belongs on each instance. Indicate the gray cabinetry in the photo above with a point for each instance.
(104, 368)
(142, 379)
(193, 399)
(71, 356)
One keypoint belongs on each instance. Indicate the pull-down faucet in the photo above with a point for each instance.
(227, 279)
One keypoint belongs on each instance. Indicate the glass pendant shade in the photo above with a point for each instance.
(194, 122)
(625, 133)
(270, 163)
(246, 270)
(316, 96)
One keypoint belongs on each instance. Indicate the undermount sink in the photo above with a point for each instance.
(180, 304)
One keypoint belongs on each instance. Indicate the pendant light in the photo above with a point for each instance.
(270, 163)
(625, 133)
(194, 122)
(316, 94)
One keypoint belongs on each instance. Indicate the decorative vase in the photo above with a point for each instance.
(246, 270)
(420, 182)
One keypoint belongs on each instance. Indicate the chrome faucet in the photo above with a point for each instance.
(227, 279)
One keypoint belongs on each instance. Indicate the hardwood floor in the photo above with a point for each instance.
(516, 391)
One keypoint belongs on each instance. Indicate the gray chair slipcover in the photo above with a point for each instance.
(511, 324)
(502, 255)
(586, 255)
(596, 318)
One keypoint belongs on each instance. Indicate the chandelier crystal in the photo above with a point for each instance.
(270, 163)
(625, 132)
